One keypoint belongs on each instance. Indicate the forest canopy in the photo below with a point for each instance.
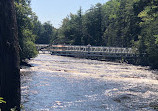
(31, 30)
(116, 23)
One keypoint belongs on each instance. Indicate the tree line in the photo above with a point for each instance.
(31, 30)
(116, 23)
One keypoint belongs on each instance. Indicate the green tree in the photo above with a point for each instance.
(149, 32)
(92, 25)
(25, 18)
(46, 33)
(71, 29)
(118, 23)
(110, 25)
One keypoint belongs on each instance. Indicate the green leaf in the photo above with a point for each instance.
(1, 100)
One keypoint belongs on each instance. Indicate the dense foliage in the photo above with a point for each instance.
(25, 21)
(148, 37)
(30, 30)
(46, 33)
(118, 23)
(112, 24)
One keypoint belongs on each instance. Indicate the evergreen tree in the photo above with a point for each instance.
(149, 32)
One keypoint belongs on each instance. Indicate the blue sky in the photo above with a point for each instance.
(56, 10)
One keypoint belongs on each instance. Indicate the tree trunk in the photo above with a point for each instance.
(9, 57)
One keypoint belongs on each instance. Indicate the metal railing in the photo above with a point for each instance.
(91, 49)
(95, 51)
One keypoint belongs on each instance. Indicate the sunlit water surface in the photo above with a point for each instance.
(58, 83)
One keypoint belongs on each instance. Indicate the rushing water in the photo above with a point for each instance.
(58, 83)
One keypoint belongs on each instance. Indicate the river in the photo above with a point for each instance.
(57, 83)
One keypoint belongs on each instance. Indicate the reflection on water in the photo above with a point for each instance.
(58, 83)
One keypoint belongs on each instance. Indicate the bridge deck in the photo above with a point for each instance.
(87, 51)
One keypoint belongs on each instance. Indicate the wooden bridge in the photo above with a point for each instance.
(87, 51)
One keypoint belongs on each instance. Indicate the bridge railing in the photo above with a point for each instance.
(40, 46)
(68, 48)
